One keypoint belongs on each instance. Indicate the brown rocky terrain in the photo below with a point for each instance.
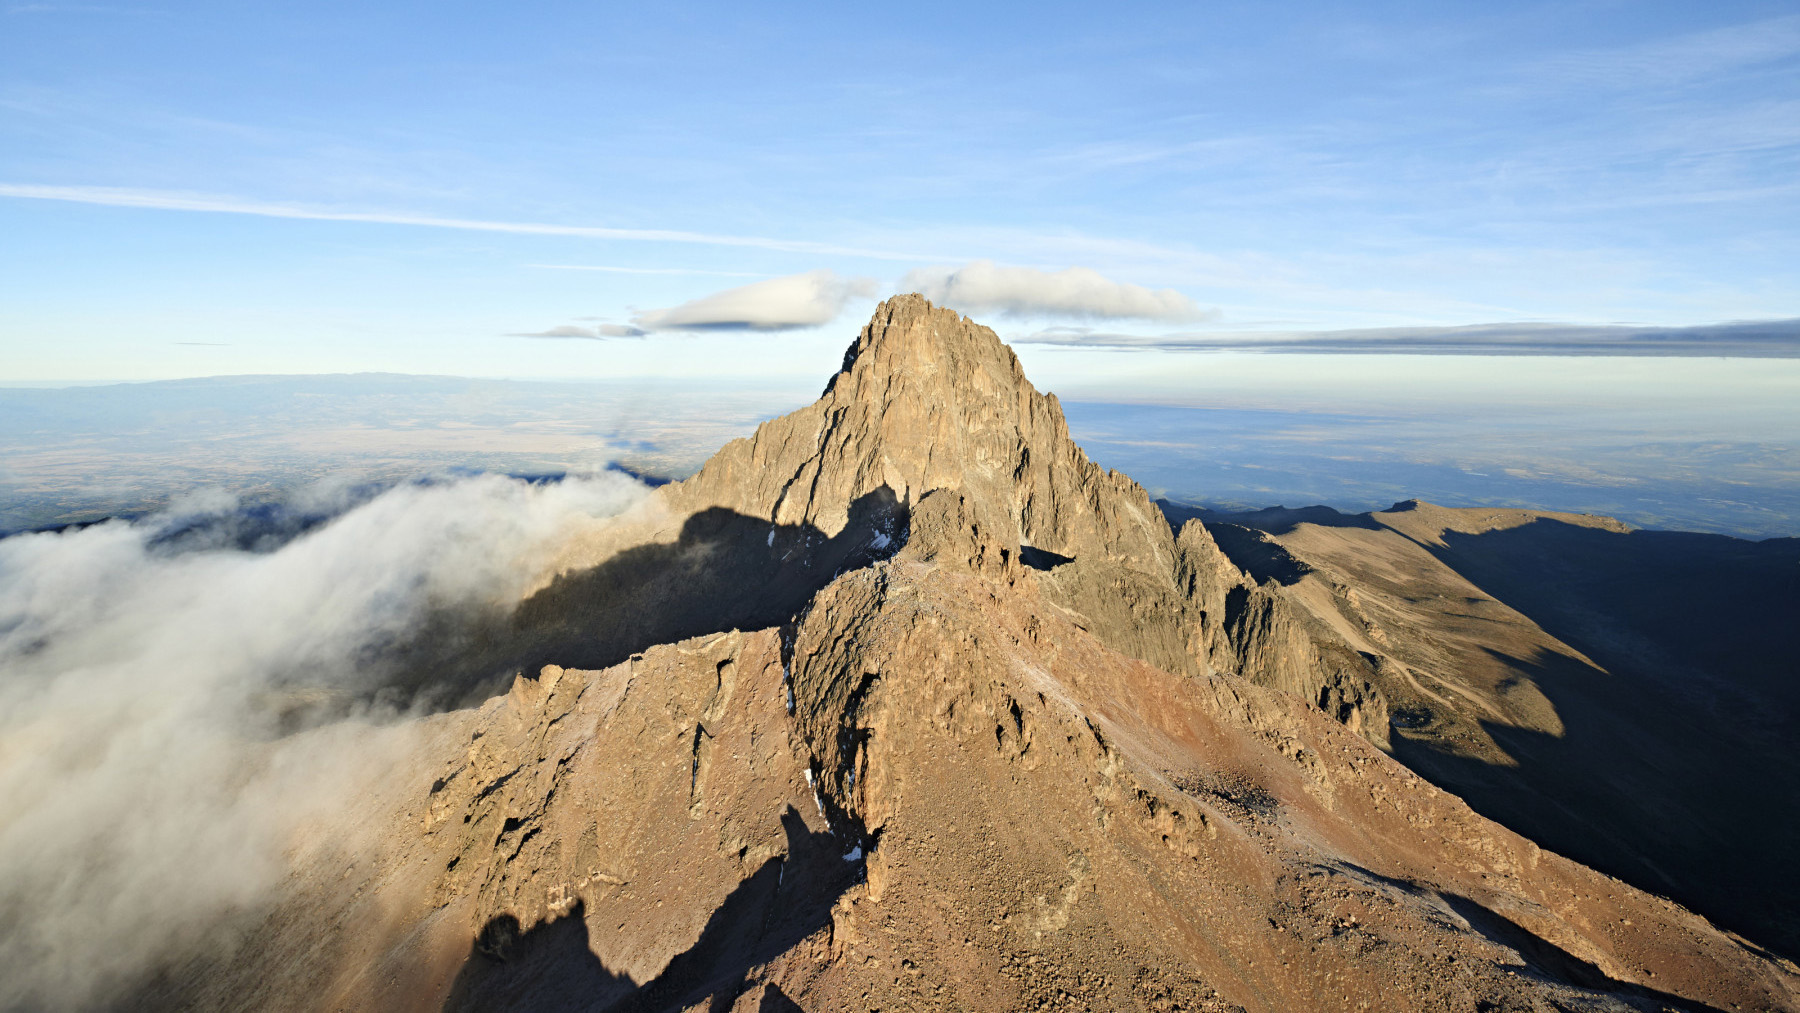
(1624, 697)
(903, 703)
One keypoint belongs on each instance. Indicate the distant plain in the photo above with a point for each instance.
(1624, 438)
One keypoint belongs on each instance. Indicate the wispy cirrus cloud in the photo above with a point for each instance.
(80, 9)
(172, 200)
(986, 287)
(619, 269)
(1764, 339)
(1680, 59)
(597, 332)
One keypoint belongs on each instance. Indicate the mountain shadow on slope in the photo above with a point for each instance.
(1042, 559)
(549, 967)
(1673, 770)
(552, 967)
(1256, 554)
(1276, 520)
(1544, 958)
(1676, 770)
(1671, 604)
(774, 1000)
(1639, 788)
(726, 571)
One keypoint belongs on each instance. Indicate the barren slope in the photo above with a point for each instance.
(903, 703)
(972, 805)
(1625, 697)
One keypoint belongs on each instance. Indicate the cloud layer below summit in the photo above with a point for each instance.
(156, 682)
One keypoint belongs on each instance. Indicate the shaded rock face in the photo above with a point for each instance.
(989, 735)
(1254, 630)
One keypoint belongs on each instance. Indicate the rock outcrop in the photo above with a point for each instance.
(935, 791)
(903, 703)
(928, 400)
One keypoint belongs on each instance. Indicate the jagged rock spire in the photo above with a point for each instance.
(928, 399)
(930, 403)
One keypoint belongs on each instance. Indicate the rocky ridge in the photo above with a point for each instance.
(1623, 696)
(902, 703)
(929, 401)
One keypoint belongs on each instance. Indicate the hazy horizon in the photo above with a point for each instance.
(353, 653)
(1568, 232)
(1650, 441)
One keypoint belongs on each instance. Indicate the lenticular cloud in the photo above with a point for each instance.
(1077, 292)
(800, 300)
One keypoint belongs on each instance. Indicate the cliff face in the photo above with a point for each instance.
(903, 703)
(1251, 629)
(928, 400)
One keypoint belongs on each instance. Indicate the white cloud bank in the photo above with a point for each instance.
(799, 300)
(986, 287)
(151, 795)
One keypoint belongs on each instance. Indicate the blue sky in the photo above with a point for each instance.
(190, 189)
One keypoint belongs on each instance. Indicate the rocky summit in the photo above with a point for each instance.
(904, 703)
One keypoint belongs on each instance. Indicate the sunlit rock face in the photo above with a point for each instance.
(903, 703)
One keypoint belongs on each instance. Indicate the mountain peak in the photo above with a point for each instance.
(833, 706)
(909, 336)
(927, 400)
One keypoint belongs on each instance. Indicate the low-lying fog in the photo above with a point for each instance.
(180, 694)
